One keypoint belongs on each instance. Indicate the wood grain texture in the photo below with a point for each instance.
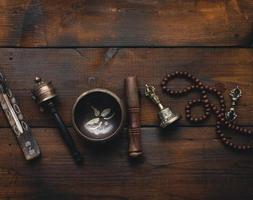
(74, 71)
(44, 23)
(184, 162)
(181, 163)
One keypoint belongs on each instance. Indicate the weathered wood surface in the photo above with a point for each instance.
(33, 23)
(74, 71)
(187, 162)
(182, 163)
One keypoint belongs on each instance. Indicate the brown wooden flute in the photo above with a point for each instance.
(134, 124)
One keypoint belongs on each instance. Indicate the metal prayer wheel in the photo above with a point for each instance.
(44, 93)
(166, 116)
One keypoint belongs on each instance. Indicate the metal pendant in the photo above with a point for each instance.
(235, 94)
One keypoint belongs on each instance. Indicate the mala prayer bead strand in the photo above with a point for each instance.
(221, 121)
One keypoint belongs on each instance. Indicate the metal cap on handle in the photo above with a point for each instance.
(43, 90)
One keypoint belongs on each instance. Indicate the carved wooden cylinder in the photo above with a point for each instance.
(134, 124)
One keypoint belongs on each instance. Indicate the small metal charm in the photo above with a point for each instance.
(166, 116)
(235, 94)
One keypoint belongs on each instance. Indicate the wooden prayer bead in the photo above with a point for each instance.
(221, 122)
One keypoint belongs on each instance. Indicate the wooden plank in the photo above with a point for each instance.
(74, 71)
(183, 163)
(34, 23)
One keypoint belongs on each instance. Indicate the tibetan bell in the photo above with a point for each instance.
(166, 116)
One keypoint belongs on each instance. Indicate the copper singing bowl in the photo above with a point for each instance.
(98, 115)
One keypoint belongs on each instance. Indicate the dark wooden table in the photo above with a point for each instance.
(70, 43)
